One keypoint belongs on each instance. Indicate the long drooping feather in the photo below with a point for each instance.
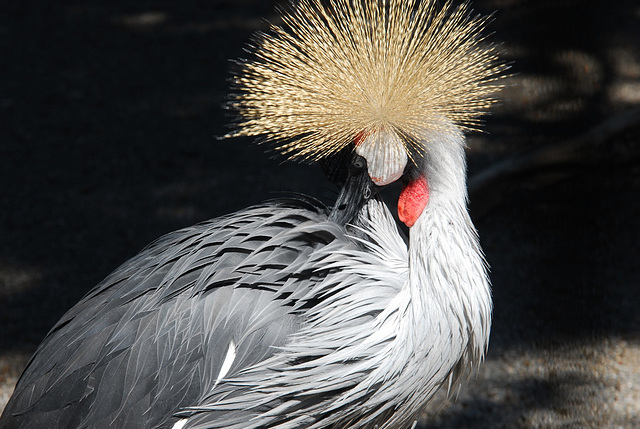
(341, 70)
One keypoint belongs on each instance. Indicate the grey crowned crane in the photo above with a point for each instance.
(289, 315)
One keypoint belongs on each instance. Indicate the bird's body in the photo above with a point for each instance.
(287, 315)
(306, 318)
(152, 338)
(398, 323)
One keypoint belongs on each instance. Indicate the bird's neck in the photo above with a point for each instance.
(448, 277)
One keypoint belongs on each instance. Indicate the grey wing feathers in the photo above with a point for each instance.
(327, 374)
(158, 328)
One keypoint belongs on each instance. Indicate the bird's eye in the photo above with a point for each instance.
(359, 162)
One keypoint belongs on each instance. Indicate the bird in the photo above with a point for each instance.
(290, 314)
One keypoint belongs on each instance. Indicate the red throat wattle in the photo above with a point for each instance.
(413, 199)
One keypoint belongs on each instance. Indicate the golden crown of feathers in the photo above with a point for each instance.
(338, 69)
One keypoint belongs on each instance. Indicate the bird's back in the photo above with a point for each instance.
(155, 335)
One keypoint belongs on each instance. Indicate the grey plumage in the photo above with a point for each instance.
(149, 339)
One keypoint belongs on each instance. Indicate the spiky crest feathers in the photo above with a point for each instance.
(340, 68)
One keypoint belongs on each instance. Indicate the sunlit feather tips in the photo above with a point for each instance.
(338, 70)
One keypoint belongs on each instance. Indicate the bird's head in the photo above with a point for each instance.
(380, 76)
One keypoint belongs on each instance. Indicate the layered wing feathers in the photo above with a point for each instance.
(150, 340)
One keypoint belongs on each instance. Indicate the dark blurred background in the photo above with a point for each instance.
(109, 113)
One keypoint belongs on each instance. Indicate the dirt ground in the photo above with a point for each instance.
(109, 113)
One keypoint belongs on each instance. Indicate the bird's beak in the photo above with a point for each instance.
(356, 190)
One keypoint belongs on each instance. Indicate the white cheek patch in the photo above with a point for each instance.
(385, 154)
